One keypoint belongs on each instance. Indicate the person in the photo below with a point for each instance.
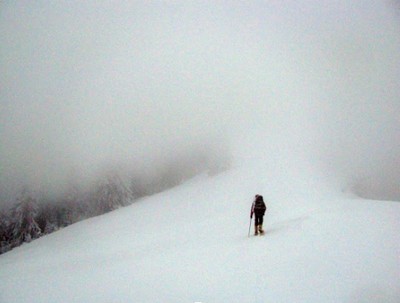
(258, 209)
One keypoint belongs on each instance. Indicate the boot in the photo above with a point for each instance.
(260, 229)
(256, 230)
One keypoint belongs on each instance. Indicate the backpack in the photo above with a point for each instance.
(259, 206)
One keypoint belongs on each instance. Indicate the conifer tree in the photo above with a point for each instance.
(72, 208)
(5, 238)
(47, 217)
(111, 193)
(24, 213)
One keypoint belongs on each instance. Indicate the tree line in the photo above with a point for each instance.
(32, 215)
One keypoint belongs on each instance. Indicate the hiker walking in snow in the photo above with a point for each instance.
(258, 209)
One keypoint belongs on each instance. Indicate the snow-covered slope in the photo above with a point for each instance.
(190, 244)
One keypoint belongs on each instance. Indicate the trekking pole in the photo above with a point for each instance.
(249, 227)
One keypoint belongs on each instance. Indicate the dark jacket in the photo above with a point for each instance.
(258, 208)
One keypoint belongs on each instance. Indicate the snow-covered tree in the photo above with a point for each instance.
(5, 239)
(3, 224)
(47, 217)
(24, 227)
(110, 193)
(73, 206)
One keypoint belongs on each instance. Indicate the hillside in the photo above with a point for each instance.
(190, 244)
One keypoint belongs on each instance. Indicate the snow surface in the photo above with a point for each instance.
(190, 244)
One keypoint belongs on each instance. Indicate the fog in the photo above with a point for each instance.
(149, 87)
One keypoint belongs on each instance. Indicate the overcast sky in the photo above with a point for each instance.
(85, 84)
